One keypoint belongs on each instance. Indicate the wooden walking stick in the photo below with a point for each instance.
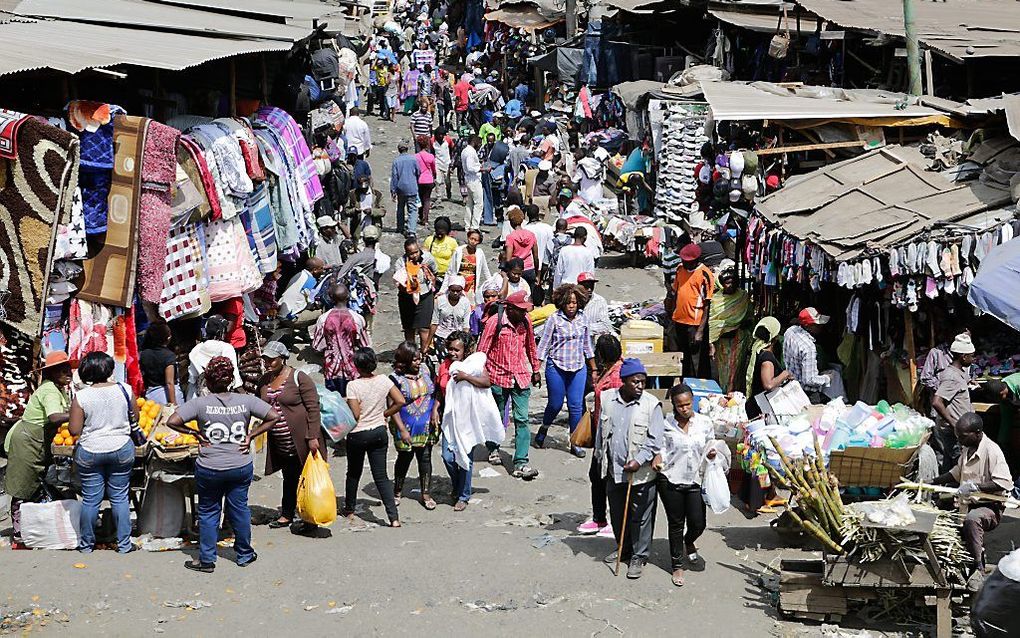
(626, 520)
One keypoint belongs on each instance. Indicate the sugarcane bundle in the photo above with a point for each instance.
(815, 503)
(867, 543)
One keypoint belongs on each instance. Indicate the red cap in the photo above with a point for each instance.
(520, 300)
(811, 317)
(586, 276)
(690, 252)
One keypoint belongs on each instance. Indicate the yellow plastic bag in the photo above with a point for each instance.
(316, 498)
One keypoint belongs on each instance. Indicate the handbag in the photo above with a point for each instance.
(137, 436)
(582, 436)
(779, 45)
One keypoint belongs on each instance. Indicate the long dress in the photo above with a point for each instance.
(732, 341)
(419, 396)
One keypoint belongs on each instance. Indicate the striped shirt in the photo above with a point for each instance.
(504, 363)
(566, 342)
(421, 124)
(800, 353)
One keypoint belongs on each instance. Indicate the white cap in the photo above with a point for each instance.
(545, 165)
(962, 344)
(325, 221)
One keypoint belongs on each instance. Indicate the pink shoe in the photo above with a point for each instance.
(588, 527)
(606, 532)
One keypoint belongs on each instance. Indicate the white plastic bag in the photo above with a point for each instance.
(53, 525)
(716, 489)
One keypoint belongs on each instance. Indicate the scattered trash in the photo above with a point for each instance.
(24, 621)
(488, 472)
(186, 604)
(543, 541)
(80, 566)
(483, 605)
(528, 520)
(150, 544)
(343, 611)
(311, 607)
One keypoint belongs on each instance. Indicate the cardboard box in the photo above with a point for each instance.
(639, 337)
(637, 347)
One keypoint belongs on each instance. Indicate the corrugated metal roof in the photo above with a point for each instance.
(144, 14)
(73, 46)
(768, 101)
(877, 200)
(960, 29)
(765, 18)
(280, 9)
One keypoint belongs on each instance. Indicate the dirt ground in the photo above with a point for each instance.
(510, 564)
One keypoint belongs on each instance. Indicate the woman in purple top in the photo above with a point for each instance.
(566, 349)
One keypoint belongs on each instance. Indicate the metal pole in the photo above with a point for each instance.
(913, 54)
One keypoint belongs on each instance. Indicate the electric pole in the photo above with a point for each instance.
(913, 52)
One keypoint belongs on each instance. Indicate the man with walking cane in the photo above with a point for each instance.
(629, 435)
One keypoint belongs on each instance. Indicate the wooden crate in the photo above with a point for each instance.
(871, 466)
(803, 594)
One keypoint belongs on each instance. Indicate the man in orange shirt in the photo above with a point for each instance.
(687, 303)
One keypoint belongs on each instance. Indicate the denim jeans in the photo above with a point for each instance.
(407, 214)
(106, 473)
(213, 487)
(460, 477)
(562, 384)
(518, 399)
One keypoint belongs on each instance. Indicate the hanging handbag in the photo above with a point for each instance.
(137, 435)
(779, 46)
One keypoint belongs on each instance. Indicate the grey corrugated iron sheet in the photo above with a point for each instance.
(145, 14)
(768, 101)
(764, 18)
(74, 46)
(960, 29)
(875, 201)
(288, 10)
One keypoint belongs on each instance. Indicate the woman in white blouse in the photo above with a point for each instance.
(689, 441)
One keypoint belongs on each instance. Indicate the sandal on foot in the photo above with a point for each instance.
(428, 502)
(277, 524)
(495, 458)
(460, 506)
(678, 577)
(395, 524)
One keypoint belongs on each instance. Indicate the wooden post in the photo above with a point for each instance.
(233, 88)
(929, 78)
(908, 342)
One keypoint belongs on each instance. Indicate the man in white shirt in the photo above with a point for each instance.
(573, 260)
(544, 235)
(359, 136)
(596, 311)
(472, 168)
(589, 175)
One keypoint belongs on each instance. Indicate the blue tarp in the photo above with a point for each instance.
(994, 289)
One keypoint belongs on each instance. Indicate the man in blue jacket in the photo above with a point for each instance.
(404, 190)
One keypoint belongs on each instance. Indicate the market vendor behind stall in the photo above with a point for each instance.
(982, 468)
(26, 441)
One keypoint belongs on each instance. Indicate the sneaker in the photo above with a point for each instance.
(254, 557)
(588, 527)
(634, 569)
(610, 559)
(525, 472)
(196, 566)
(606, 531)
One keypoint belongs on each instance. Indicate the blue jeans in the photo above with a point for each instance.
(106, 473)
(460, 477)
(562, 384)
(407, 214)
(213, 486)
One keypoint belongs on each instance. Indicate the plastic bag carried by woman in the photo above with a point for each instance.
(316, 498)
(337, 418)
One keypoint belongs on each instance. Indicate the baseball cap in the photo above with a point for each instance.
(520, 300)
(371, 232)
(811, 317)
(690, 252)
(586, 276)
(275, 350)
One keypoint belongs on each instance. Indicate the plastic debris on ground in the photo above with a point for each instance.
(186, 604)
(150, 544)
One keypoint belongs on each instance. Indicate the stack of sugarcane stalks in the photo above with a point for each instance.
(819, 508)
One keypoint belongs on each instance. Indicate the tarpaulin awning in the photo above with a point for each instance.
(994, 288)
(524, 17)
(565, 62)
(769, 101)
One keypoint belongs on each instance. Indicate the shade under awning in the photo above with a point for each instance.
(736, 101)
(994, 288)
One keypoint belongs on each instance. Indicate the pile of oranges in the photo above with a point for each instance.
(148, 412)
(63, 436)
(175, 439)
